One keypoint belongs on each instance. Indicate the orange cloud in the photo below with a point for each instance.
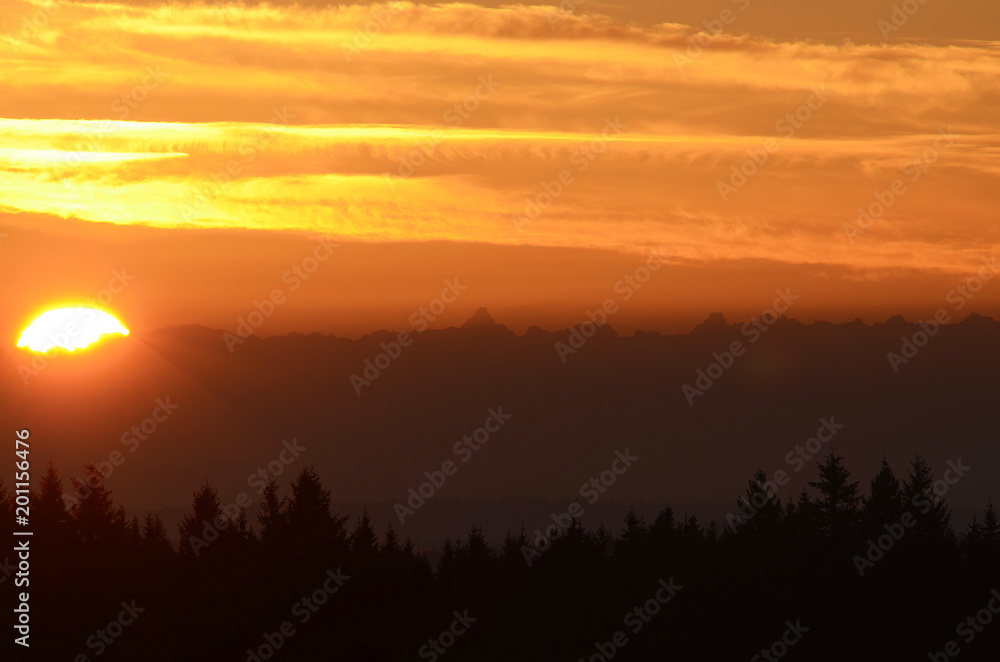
(406, 122)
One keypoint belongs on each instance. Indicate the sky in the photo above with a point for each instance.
(181, 159)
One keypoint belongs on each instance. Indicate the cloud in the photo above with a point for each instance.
(405, 122)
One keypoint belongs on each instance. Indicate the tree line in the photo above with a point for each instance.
(882, 568)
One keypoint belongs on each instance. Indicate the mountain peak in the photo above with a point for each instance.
(714, 323)
(481, 319)
(975, 319)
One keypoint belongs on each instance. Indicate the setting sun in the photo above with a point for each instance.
(69, 329)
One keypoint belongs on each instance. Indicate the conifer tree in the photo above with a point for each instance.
(932, 514)
(272, 516)
(836, 510)
(99, 525)
(884, 503)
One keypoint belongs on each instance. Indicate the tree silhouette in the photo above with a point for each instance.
(991, 528)
(49, 505)
(635, 534)
(272, 516)
(416, 562)
(6, 504)
(51, 519)
(478, 550)
(663, 532)
(884, 502)
(99, 525)
(692, 534)
(782, 558)
(511, 555)
(155, 540)
(836, 510)
(759, 510)
(363, 544)
(391, 552)
(933, 516)
(982, 545)
(311, 524)
(206, 529)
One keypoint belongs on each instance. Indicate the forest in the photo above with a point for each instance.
(839, 572)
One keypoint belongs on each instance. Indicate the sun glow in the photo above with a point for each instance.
(69, 329)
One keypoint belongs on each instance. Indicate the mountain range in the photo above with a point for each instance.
(381, 414)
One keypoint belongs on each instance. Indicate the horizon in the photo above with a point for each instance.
(522, 330)
(524, 327)
(346, 295)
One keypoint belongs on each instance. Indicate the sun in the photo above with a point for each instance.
(69, 329)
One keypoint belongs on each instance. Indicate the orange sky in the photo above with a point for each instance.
(536, 154)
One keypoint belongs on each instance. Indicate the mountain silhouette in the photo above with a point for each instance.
(374, 440)
(715, 323)
(481, 319)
